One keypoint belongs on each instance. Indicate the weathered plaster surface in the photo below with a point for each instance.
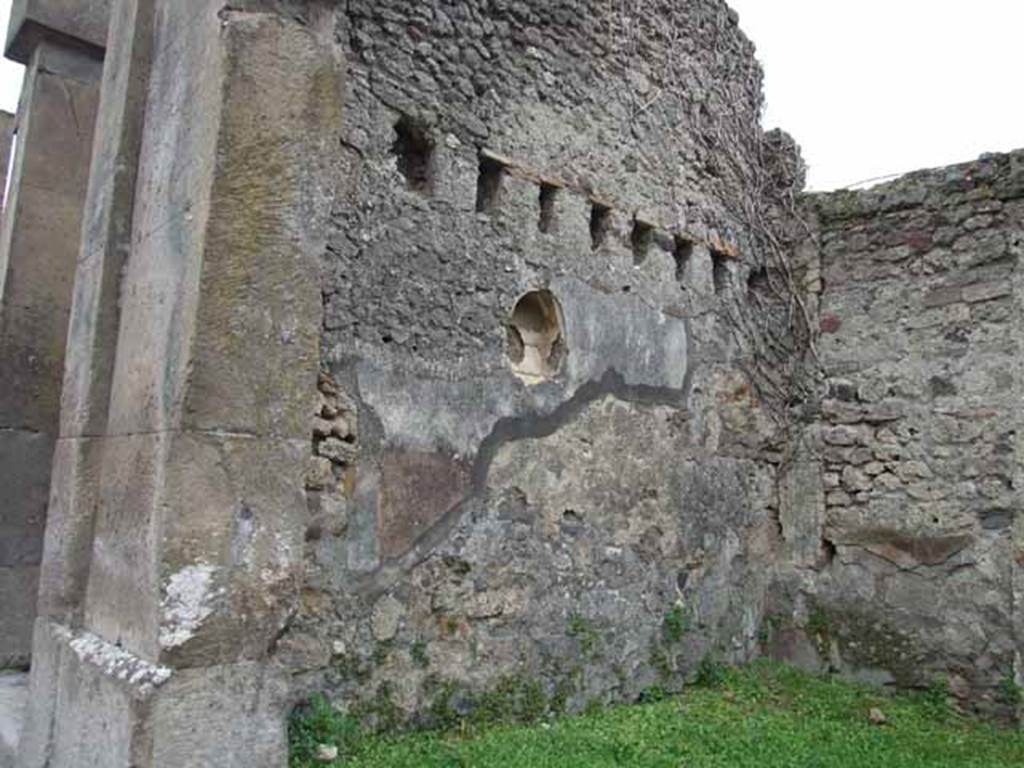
(917, 455)
(479, 525)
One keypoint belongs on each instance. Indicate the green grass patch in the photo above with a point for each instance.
(764, 716)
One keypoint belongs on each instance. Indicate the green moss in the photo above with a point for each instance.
(379, 714)
(381, 651)
(441, 712)
(351, 668)
(514, 699)
(653, 694)
(660, 661)
(449, 625)
(818, 622)
(673, 626)
(418, 654)
(936, 696)
(773, 622)
(710, 673)
(593, 706)
(586, 634)
(317, 722)
(1010, 692)
(564, 690)
(866, 643)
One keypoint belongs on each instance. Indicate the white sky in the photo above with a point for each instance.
(869, 88)
(876, 87)
(10, 73)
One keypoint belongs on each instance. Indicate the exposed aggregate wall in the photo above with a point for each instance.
(560, 449)
(919, 448)
(593, 534)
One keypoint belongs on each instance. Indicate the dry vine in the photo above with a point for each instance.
(754, 178)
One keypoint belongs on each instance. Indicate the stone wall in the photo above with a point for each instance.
(919, 448)
(590, 526)
(434, 356)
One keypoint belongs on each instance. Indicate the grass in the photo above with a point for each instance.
(764, 716)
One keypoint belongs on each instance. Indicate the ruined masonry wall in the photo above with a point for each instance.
(582, 537)
(920, 443)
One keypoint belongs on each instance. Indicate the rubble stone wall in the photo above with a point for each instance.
(585, 527)
(920, 440)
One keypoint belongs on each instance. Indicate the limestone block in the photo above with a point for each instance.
(219, 331)
(123, 574)
(106, 228)
(67, 546)
(24, 478)
(33, 20)
(13, 696)
(40, 241)
(115, 709)
(37, 724)
(233, 521)
(18, 586)
(6, 139)
(231, 716)
(225, 563)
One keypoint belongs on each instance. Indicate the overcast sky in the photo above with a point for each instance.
(868, 88)
(877, 87)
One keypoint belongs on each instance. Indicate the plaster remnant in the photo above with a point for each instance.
(115, 662)
(188, 600)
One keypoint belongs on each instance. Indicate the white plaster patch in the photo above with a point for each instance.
(188, 599)
(116, 662)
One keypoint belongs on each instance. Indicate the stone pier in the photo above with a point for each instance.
(38, 250)
(174, 546)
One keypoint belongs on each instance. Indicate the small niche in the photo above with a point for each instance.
(548, 195)
(682, 253)
(536, 343)
(600, 223)
(640, 239)
(721, 271)
(414, 150)
(488, 183)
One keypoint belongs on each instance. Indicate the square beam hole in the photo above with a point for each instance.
(600, 224)
(488, 183)
(548, 195)
(641, 239)
(721, 271)
(682, 253)
(414, 150)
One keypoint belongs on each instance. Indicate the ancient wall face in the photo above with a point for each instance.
(920, 439)
(536, 460)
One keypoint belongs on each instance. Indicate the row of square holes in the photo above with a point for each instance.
(414, 151)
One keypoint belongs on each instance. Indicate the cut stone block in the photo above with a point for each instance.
(13, 698)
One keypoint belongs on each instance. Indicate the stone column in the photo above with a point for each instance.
(6, 140)
(38, 250)
(189, 389)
